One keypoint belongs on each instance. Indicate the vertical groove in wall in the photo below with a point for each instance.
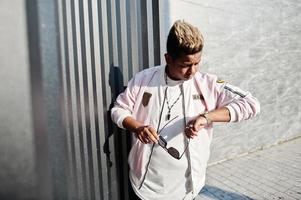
(121, 140)
(87, 121)
(101, 42)
(68, 38)
(95, 139)
(83, 95)
(150, 38)
(112, 65)
(159, 29)
(144, 34)
(156, 31)
(76, 90)
(123, 42)
(65, 80)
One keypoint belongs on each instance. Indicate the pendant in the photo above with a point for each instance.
(167, 116)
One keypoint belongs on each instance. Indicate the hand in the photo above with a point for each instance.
(192, 127)
(146, 134)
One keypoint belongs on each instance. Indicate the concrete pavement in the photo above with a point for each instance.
(272, 173)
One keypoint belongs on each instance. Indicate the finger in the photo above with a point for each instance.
(146, 140)
(143, 138)
(192, 133)
(146, 136)
(188, 129)
(189, 133)
(189, 125)
(192, 136)
(140, 138)
(196, 127)
(151, 136)
(189, 136)
(137, 135)
(153, 132)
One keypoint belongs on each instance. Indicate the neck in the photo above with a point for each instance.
(167, 71)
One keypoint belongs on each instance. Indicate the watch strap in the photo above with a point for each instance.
(206, 116)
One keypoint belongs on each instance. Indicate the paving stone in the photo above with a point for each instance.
(256, 189)
(280, 187)
(286, 196)
(294, 194)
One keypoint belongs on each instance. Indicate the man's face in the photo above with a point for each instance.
(183, 68)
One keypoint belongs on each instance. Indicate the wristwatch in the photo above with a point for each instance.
(206, 116)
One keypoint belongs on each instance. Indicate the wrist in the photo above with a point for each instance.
(132, 125)
(207, 117)
(138, 128)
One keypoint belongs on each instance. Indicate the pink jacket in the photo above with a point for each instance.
(216, 94)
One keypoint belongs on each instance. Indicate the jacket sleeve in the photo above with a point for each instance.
(124, 104)
(241, 104)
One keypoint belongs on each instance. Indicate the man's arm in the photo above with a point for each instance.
(144, 133)
(218, 115)
(233, 105)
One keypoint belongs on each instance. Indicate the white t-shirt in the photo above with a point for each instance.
(167, 177)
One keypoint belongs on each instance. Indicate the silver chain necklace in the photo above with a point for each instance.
(168, 104)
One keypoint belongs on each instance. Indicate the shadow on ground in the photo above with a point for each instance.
(220, 194)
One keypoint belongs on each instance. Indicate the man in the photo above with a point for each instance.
(170, 111)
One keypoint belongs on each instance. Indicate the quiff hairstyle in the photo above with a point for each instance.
(184, 39)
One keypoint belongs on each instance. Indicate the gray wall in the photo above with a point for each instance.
(255, 45)
(17, 160)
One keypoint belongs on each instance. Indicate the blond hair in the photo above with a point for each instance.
(184, 39)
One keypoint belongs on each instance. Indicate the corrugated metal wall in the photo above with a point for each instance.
(63, 63)
(102, 44)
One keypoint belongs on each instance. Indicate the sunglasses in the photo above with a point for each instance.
(171, 150)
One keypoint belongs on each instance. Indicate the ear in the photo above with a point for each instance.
(168, 59)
